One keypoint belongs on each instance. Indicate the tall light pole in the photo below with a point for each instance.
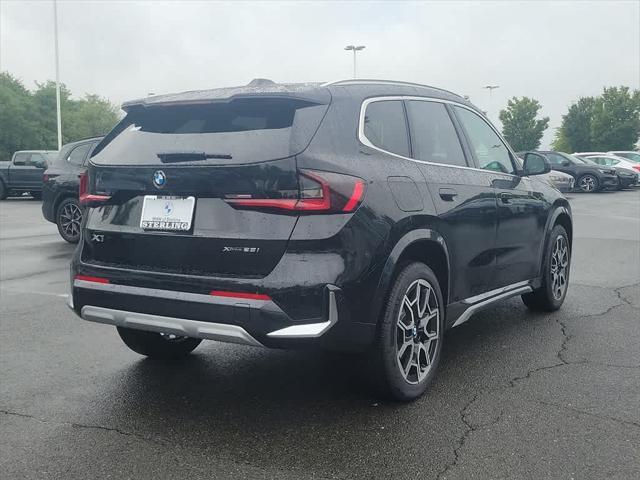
(491, 88)
(55, 34)
(355, 49)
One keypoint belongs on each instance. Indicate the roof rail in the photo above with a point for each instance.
(360, 81)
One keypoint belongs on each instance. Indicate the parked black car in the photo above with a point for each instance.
(626, 177)
(23, 173)
(60, 204)
(589, 178)
(360, 215)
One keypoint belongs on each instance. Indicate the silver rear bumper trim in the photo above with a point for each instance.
(177, 326)
(310, 330)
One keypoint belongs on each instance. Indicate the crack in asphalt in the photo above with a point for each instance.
(87, 426)
(131, 434)
(590, 414)
(624, 299)
(562, 362)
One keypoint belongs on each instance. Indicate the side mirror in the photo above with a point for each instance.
(535, 164)
(566, 163)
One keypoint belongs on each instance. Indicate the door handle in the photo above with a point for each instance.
(448, 194)
(505, 197)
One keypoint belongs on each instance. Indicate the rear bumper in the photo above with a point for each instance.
(257, 322)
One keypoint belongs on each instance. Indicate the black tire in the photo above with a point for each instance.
(3, 191)
(157, 345)
(546, 298)
(68, 219)
(387, 358)
(588, 183)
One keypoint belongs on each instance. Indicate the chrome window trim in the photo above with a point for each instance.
(365, 141)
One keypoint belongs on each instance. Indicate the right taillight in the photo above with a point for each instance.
(319, 192)
(88, 199)
(636, 168)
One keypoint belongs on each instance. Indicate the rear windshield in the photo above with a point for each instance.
(240, 131)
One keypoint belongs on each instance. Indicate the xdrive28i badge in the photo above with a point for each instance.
(159, 179)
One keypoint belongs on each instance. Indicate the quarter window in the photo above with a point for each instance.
(78, 154)
(385, 126)
(433, 136)
(489, 149)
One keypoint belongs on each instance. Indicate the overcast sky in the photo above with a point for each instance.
(552, 51)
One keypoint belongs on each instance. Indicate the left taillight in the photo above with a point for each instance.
(318, 192)
(88, 199)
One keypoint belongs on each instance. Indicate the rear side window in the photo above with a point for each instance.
(433, 136)
(490, 151)
(385, 126)
(78, 154)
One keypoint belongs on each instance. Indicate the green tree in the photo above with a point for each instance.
(18, 125)
(28, 119)
(610, 121)
(520, 125)
(615, 123)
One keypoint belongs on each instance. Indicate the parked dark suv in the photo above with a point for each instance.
(60, 184)
(361, 215)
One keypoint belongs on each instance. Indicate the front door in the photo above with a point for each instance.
(463, 197)
(522, 211)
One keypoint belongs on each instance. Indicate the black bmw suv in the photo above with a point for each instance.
(367, 216)
(60, 188)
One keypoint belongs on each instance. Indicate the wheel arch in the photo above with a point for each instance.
(561, 215)
(59, 199)
(422, 245)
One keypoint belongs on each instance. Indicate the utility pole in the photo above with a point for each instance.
(491, 88)
(355, 49)
(55, 34)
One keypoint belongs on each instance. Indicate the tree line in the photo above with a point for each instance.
(28, 118)
(610, 121)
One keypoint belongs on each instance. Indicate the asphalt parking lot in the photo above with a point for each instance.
(518, 395)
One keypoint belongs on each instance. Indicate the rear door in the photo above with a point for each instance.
(522, 208)
(463, 197)
(224, 171)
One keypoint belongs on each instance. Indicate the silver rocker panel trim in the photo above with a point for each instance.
(485, 301)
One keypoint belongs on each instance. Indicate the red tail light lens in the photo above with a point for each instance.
(320, 192)
(636, 168)
(88, 199)
(87, 278)
(45, 178)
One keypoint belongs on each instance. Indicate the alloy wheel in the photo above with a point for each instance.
(559, 267)
(70, 220)
(417, 331)
(587, 183)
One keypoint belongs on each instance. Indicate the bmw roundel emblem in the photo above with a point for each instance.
(159, 179)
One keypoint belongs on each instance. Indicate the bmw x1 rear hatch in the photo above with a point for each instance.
(203, 185)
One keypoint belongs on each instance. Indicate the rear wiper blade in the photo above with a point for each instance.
(174, 157)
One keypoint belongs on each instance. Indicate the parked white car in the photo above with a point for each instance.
(628, 154)
(613, 161)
